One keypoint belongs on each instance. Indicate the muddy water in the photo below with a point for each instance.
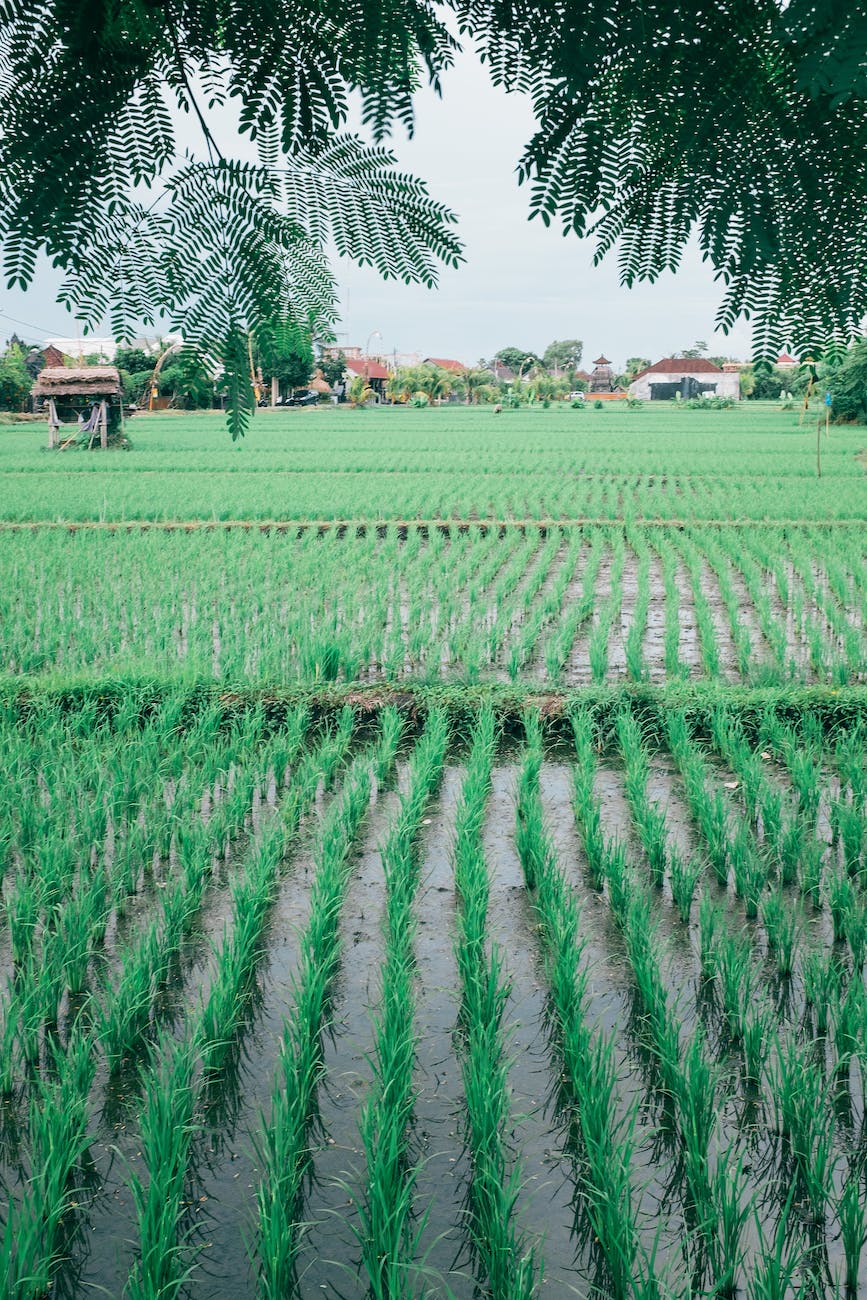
(653, 649)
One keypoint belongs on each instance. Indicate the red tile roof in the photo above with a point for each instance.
(369, 369)
(680, 366)
(446, 363)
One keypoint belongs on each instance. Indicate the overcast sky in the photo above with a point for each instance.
(521, 285)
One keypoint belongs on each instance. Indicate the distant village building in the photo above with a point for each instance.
(503, 373)
(446, 363)
(80, 348)
(785, 361)
(54, 357)
(371, 370)
(602, 378)
(686, 376)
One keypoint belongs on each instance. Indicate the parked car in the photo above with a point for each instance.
(304, 398)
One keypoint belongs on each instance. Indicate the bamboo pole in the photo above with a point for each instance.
(103, 425)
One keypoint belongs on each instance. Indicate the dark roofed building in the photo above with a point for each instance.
(690, 376)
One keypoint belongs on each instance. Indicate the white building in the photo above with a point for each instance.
(688, 376)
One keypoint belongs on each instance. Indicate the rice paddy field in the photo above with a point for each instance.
(433, 858)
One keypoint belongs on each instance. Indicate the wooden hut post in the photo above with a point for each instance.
(53, 424)
(103, 425)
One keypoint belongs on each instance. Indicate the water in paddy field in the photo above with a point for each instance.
(218, 1237)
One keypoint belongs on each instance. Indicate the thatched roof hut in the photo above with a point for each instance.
(68, 390)
(78, 381)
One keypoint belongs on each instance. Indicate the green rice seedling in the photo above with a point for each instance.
(782, 928)
(167, 1131)
(635, 665)
(708, 809)
(685, 875)
(22, 911)
(811, 870)
(848, 1019)
(8, 1040)
(853, 1227)
(849, 830)
(649, 821)
(725, 1246)
(711, 921)
(748, 870)
(735, 973)
(674, 665)
(58, 1131)
(807, 1124)
(703, 614)
(823, 977)
(756, 1043)
(841, 899)
(855, 928)
(776, 1269)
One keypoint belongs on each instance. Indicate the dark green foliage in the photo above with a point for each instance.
(285, 354)
(517, 359)
(15, 380)
(849, 385)
(563, 354)
(741, 124)
(135, 360)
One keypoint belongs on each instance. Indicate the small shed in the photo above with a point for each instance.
(88, 397)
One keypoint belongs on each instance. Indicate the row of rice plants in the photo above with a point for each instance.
(825, 659)
(148, 965)
(773, 628)
(59, 1138)
(525, 636)
(507, 1266)
(558, 648)
(708, 547)
(253, 894)
(675, 667)
(636, 668)
(823, 598)
(588, 1083)
(707, 632)
(711, 1174)
(663, 855)
(283, 1143)
(387, 1241)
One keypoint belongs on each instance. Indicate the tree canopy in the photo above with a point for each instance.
(563, 354)
(739, 123)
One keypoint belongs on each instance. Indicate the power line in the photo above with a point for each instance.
(28, 324)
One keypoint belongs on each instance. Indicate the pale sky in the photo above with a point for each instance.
(521, 284)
